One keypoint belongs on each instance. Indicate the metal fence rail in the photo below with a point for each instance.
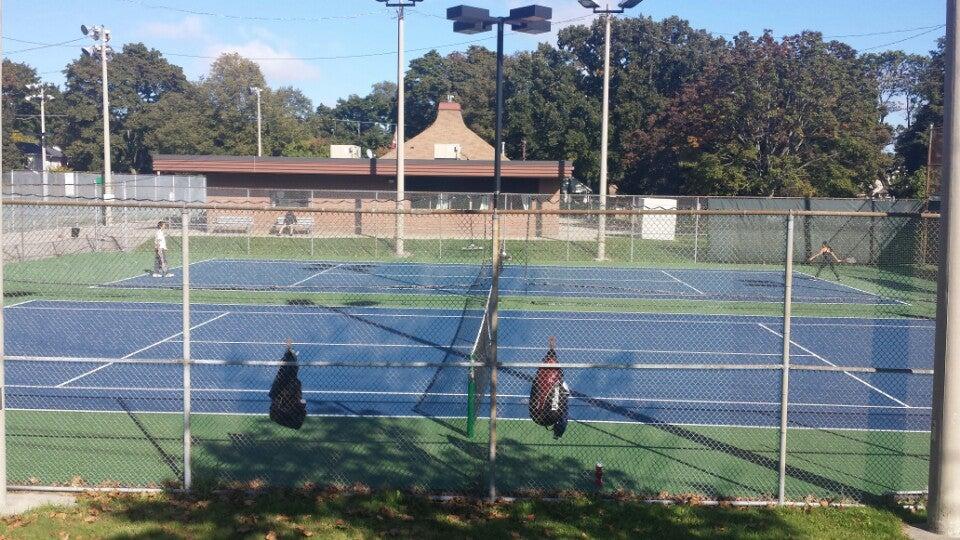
(721, 354)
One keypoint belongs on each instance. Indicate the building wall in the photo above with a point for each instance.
(223, 183)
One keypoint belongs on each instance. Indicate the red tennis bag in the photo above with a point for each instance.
(549, 395)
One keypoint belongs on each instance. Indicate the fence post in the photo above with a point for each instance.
(696, 233)
(785, 374)
(633, 224)
(440, 227)
(492, 358)
(3, 387)
(185, 265)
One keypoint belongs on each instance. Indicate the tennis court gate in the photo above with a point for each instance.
(695, 368)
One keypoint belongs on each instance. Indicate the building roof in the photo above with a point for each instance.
(357, 167)
(448, 128)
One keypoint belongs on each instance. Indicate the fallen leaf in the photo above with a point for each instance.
(270, 536)
(90, 519)
(63, 535)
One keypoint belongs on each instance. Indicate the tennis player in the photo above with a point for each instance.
(160, 251)
(827, 257)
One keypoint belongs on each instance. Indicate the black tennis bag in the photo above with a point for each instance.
(287, 406)
(549, 396)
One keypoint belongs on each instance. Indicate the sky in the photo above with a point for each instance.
(333, 48)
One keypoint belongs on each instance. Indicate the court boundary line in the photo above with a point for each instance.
(426, 418)
(308, 278)
(796, 319)
(824, 360)
(682, 282)
(802, 273)
(148, 347)
(500, 347)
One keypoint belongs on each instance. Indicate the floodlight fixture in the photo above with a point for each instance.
(84, 30)
(627, 4)
(589, 4)
(400, 3)
(532, 19)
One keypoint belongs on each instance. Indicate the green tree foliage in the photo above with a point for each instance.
(767, 117)
(691, 112)
(20, 121)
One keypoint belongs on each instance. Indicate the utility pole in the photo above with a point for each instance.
(608, 13)
(257, 90)
(944, 511)
(42, 96)
(101, 35)
(401, 119)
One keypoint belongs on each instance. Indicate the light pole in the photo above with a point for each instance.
(101, 35)
(605, 120)
(257, 90)
(401, 118)
(42, 96)
(532, 19)
(943, 515)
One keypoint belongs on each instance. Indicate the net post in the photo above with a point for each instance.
(785, 374)
(185, 272)
(492, 359)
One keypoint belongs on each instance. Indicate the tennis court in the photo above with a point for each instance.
(717, 405)
(550, 281)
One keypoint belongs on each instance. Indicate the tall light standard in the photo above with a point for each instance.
(257, 90)
(605, 120)
(401, 117)
(943, 515)
(42, 96)
(531, 19)
(102, 36)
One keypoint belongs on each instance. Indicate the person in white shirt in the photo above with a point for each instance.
(160, 250)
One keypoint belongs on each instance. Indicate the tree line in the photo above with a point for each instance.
(691, 112)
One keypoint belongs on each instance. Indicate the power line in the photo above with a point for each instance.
(162, 7)
(902, 40)
(39, 45)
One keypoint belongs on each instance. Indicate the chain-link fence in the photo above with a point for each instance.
(718, 354)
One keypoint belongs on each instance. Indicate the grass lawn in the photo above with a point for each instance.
(435, 455)
(359, 513)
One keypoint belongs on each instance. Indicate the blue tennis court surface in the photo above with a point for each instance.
(549, 281)
(89, 334)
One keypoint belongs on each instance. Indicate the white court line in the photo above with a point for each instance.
(560, 315)
(682, 282)
(501, 347)
(825, 361)
(868, 293)
(324, 271)
(134, 353)
(520, 419)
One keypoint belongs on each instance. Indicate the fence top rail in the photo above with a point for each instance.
(411, 211)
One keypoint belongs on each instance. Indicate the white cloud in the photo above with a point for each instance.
(190, 27)
(278, 65)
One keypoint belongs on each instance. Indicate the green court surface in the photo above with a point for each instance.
(145, 450)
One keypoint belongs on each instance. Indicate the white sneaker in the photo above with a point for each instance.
(168, 274)
(156, 275)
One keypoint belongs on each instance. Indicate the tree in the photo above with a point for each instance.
(795, 117)
(139, 78)
(233, 107)
(546, 112)
(20, 116)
